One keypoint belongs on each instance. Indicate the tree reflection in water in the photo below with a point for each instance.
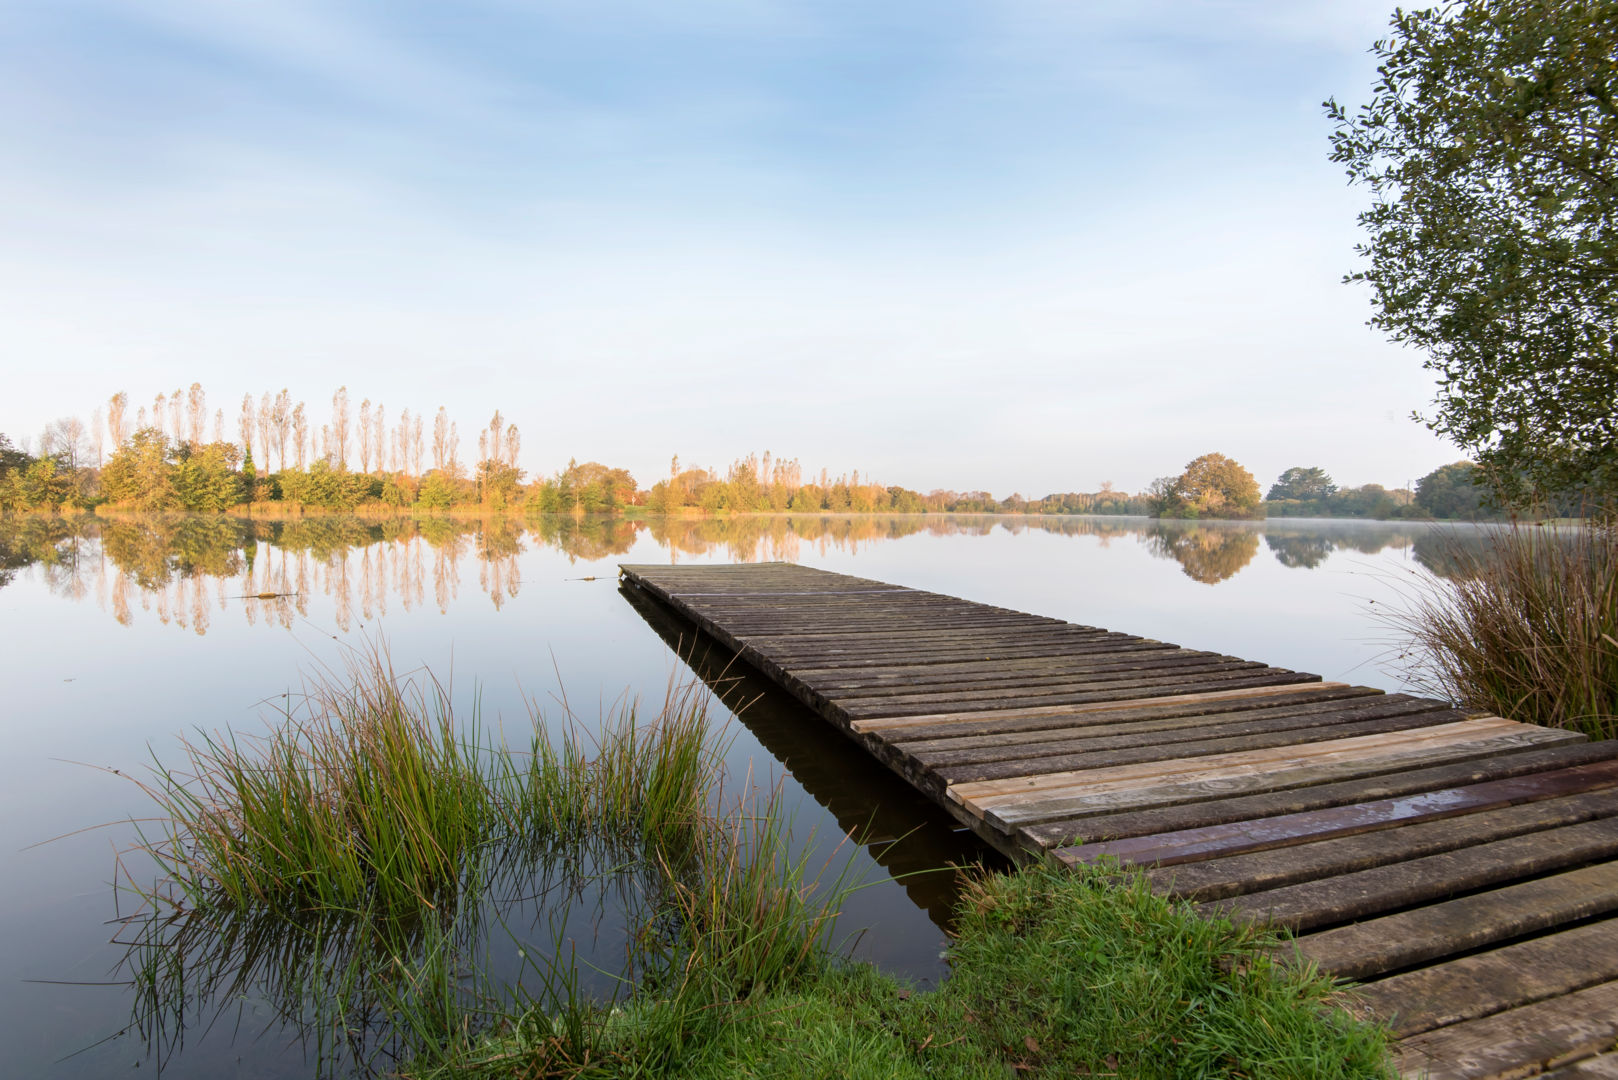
(1209, 552)
(1302, 551)
(188, 569)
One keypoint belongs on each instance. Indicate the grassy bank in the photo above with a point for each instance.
(1054, 974)
(362, 865)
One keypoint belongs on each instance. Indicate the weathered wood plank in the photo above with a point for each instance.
(808, 635)
(1263, 833)
(906, 674)
(1090, 733)
(1493, 981)
(832, 606)
(1408, 938)
(759, 606)
(907, 669)
(1395, 758)
(1033, 686)
(925, 727)
(1139, 714)
(1000, 676)
(1517, 1043)
(856, 659)
(1184, 750)
(1171, 819)
(893, 646)
(1364, 893)
(812, 627)
(1134, 691)
(1098, 781)
(1326, 862)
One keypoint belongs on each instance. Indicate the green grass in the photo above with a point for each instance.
(1054, 974)
(1525, 628)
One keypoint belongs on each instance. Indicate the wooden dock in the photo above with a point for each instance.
(1464, 868)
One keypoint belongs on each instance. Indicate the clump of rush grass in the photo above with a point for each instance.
(1054, 973)
(750, 911)
(634, 781)
(1525, 626)
(368, 794)
(364, 795)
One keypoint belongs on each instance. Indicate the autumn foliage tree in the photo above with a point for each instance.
(1212, 486)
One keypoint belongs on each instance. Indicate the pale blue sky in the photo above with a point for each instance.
(1017, 245)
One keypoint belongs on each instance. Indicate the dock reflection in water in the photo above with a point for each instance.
(903, 830)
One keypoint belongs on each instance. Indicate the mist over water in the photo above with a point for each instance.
(122, 634)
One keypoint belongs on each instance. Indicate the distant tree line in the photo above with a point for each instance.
(174, 455)
(1450, 492)
(1214, 486)
(755, 484)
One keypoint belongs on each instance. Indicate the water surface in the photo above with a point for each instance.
(121, 635)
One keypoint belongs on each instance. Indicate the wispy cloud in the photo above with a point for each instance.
(951, 243)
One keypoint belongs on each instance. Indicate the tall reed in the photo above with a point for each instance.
(751, 910)
(1525, 627)
(634, 780)
(369, 794)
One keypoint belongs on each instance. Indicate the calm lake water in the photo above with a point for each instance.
(120, 636)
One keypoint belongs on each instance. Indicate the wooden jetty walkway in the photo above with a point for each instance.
(1464, 868)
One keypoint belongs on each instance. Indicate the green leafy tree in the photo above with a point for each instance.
(1451, 491)
(398, 490)
(11, 457)
(592, 487)
(807, 500)
(140, 473)
(1302, 483)
(903, 501)
(1365, 501)
(328, 487)
(1489, 150)
(206, 479)
(545, 497)
(41, 485)
(47, 482)
(1163, 497)
(437, 491)
(499, 482)
(249, 474)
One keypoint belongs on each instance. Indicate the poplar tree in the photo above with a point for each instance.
(337, 446)
(116, 405)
